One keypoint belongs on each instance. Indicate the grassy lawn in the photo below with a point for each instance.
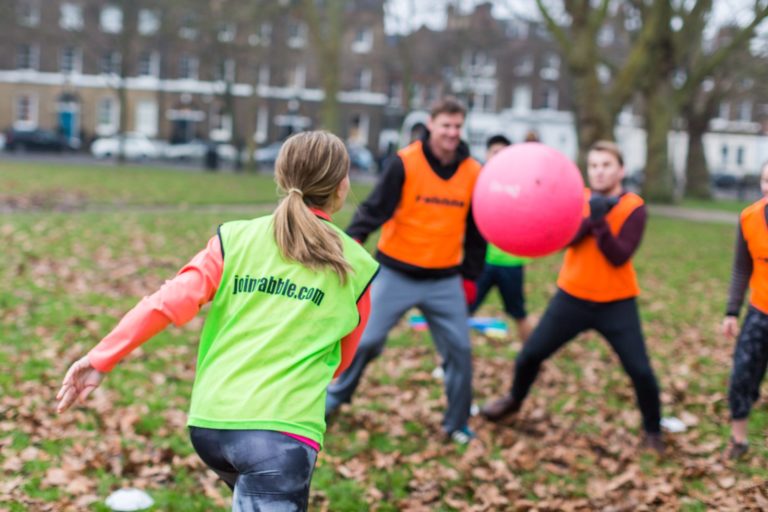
(69, 186)
(68, 277)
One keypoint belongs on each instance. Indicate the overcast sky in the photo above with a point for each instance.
(409, 15)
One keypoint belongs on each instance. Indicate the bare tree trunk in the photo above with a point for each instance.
(696, 170)
(659, 183)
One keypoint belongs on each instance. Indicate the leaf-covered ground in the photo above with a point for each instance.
(67, 277)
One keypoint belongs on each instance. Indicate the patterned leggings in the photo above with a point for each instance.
(749, 364)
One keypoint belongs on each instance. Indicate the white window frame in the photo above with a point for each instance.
(112, 125)
(149, 22)
(298, 77)
(364, 79)
(522, 98)
(111, 19)
(550, 92)
(77, 60)
(30, 122)
(154, 64)
(71, 16)
(193, 67)
(298, 40)
(264, 75)
(363, 41)
(227, 33)
(525, 67)
(262, 125)
(189, 29)
(33, 57)
(28, 13)
(115, 63)
(147, 117)
(745, 111)
(395, 93)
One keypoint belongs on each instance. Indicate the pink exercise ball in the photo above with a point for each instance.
(529, 200)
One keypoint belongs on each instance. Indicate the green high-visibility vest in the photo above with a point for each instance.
(496, 256)
(271, 341)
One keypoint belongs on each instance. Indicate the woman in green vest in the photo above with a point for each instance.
(290, 299)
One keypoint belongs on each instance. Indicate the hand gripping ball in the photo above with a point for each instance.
(529, 200)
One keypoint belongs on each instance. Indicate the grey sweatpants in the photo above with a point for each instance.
(442, 303)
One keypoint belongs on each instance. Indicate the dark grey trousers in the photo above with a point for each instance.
(750, 360)
(443, 304)
(268, 471)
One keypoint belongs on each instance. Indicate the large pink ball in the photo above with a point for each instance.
(529, 200)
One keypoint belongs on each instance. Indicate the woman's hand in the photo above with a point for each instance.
(730, 326)
(80, 380)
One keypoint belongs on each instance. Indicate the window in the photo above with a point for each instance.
(363, 40)
(71, 16)
(263, 75)
(417, 95)
(395, 94)
(724, 112)
(262, 123)
(149, 64)
(724, 154)
(297, 77)
(110, 62)
(550, 97)
(107, 116)
(297, 34)
(433, 93)
(262, 37)
(227, 32)
(363, 79)
(28, 13)
(525, 66)
(27, 56)
(149, 22)
(225, 70)
(188, 67)
(70, 60)
(551, 68)
(487, 102)
(745, 111)
(517, 29)
(111, 20)
(740, 156)
(146, 118)
(521, 98)
(188, 28)
(25, 115)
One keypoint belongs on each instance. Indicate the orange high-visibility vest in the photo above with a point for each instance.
(755, 232)
(427, 228)
(586, 272)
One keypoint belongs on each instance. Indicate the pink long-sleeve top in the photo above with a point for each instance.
(180, 299)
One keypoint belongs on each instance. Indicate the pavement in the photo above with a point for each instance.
(694, 214)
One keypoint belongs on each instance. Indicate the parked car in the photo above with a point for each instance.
(2, 141)
(195, 149)
(136, 146)
(723, 180)
(35, 140)
(265, 157)
(361, 158)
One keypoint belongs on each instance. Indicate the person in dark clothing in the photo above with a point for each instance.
(431, 253)
(597, 289)
(503, 270)
(750, 358)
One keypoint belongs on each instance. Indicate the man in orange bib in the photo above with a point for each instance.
(597, 289)
(430, 253)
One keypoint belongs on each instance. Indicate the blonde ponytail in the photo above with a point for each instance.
(308, 171)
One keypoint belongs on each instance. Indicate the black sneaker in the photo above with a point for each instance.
(500, 409)
(736, 450)
(654, 442)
